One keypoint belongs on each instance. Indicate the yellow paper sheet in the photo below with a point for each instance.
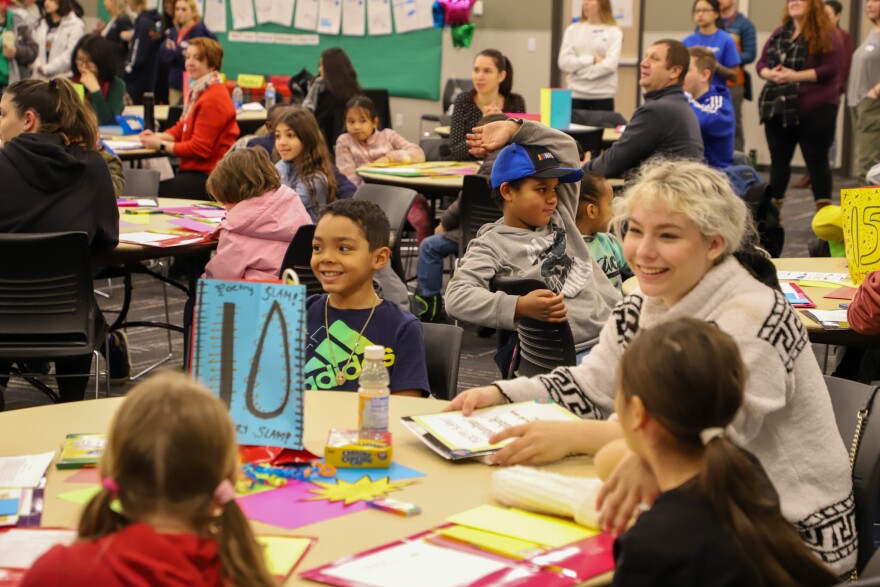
(137, 218)
(861, 230)
(282, 553)
(822, 284)
(523, 525)
(504, 545)
(80, 496)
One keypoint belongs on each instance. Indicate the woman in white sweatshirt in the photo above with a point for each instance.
(590, 55)
(56, 36)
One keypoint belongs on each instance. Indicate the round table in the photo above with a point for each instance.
(447, 488)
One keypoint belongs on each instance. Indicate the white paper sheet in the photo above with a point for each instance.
(243, 14)
(354, 18)
(288, 39)
(282, 12)
(215, 15)
(434, 566)
(20, 549)
(144, 238)
(264, 11)
(266, 38)
(25, 470)
(379, 15)
(405, 15)
(329, 17)
(306, 15)
(242, 36)
(425, 14)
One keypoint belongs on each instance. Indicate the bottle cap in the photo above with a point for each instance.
(375, 352)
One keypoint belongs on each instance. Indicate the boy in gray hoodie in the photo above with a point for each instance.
(536, 181)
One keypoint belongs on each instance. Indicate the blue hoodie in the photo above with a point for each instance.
(714, 110)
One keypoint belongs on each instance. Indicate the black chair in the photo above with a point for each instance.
(852, 400)
(383, 106)
(298, 257)
(396, 203)
(47, 308)
(542, 346)
(141, 183)
(442, 354)
(477, 208)
(589, 140)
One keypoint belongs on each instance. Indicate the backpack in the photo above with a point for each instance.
(759, 196)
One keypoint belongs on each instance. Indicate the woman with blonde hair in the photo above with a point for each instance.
(171, 463)
(590, 54)
(684, 224)
(187, 25)
(117, 29)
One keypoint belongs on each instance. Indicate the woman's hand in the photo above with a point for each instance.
(491, 137)
(491, 108)
(631, 486)
(477, 397)
(537, 443)
(9, 52)
(170, 44)
(127, 35)
(439, 229)
(90, 81)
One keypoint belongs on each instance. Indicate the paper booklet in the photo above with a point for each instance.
(455, 437)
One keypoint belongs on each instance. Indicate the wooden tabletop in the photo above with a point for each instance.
(609, 135)
(160, 111)
(448, 183)
(445, 489)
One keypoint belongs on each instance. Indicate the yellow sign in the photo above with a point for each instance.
(253, 82)
(861, 230)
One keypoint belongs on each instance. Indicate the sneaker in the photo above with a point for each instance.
(429, 308)
(119, 356)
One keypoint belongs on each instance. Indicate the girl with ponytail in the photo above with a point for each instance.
(717, 519)
(167, 504)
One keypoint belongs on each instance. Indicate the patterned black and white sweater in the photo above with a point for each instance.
(786, 419)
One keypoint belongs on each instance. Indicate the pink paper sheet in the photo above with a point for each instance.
(84, 476)
(193, 225)
(283, 508)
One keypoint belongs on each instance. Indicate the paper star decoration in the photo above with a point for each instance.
(361, 490)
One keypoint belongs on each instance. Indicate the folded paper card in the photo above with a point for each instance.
(546, 530)
(861, 230)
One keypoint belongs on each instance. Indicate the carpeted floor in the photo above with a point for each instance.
(477, 367)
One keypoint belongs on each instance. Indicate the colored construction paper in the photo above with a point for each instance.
(283, 553)
(85, 476)
(285, 507)
(860, 235)
(193, 225)
(394, 472)
(523, 525)
(80, 496)
(364, 489)
(8, 507)
(495, 543)
(843, 293)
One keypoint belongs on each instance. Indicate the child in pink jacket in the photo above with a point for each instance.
(262, 215)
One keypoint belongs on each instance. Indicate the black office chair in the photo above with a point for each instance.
(542, 346)
(298, 257)
(589, 140)
(396, 203)
(47, 308)
(849, 399)
(141, 183)
(442, 354)
(453, 87)
(383, 105)
(477, 208)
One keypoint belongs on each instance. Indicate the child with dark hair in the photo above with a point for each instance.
(717, 519)
(262, 216)
(536, 181)
(349, 246)
(364, 143)
(94, 65)
(593, 218)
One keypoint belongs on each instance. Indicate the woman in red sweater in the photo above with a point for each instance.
(207, 128)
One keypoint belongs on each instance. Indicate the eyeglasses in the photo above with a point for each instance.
(83, 63)
(703, 10)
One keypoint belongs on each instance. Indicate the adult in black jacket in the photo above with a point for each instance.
(54, 180)
(331, 91)
(664, 124)
(117, 30)
(143, 53)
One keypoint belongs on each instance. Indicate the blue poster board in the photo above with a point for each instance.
(248, 348)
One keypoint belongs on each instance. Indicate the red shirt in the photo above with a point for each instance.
(136, 556)
(207, 133)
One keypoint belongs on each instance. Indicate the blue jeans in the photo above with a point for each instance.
(430, 268)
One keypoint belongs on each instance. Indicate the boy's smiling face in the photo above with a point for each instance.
(343, 262)
(532, 204)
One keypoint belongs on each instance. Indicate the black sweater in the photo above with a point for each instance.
(50, 187)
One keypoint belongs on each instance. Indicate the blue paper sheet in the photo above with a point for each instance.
(8, 507)
(394, 473)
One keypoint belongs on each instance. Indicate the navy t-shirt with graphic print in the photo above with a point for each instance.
(398, 331)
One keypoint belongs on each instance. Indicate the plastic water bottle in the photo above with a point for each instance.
(373, 391)
(237, 98)
(270, 95)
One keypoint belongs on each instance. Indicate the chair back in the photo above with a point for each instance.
(589, 140)
(395, 202)
(299, 256)
(848, 399)
(141, 183)
(543, 346)
(47, 307)
(442, 356)
(477, 208)
(454, 86)
(383, 106)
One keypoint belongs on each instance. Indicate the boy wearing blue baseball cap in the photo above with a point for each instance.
(535, 180)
